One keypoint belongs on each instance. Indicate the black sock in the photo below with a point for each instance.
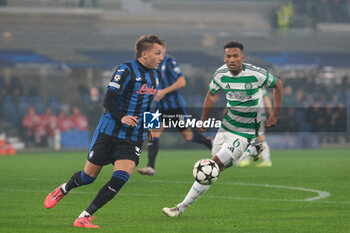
(199, 138)
(153, 148)
(108, 191)
(78, 179)
(75, 181)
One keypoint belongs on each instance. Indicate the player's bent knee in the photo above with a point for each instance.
(119, 178)
(123, 175)
(126, 165)
(86, 179)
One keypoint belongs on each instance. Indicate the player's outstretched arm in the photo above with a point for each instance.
(277, 99)
(268, 105)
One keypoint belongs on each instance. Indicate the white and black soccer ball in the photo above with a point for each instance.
(206, 171)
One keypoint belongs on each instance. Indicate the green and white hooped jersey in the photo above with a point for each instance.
(243, 94)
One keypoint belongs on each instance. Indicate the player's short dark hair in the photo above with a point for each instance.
(234, 44)
(146, 42)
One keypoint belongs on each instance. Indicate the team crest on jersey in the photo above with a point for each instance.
(248, 86)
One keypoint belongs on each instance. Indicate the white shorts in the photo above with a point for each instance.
(229, 147)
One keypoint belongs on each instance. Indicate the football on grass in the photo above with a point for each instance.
(206, 171)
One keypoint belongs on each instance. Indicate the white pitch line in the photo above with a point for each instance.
(175, 196)
(321, 194)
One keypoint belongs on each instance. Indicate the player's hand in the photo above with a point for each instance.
(160, 95)
(271, 122)
(130, 120)
(149, 135)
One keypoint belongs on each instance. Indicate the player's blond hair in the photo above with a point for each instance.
(146, 42)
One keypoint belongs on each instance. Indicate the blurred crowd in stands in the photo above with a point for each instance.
(310, 104)
(301, 13)
(324, 10)
(313, 105)
(40, 130)
(25, 113)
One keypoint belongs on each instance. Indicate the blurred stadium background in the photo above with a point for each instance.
(52, 52)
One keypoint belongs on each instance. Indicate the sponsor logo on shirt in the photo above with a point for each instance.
(147, 90)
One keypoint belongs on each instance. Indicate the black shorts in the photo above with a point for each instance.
(175, 114)
(107, 149)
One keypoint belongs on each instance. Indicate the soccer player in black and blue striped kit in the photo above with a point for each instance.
(120, 133)
(170, 102)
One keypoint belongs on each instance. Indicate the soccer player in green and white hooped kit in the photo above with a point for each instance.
(265, 154)
(242, 84)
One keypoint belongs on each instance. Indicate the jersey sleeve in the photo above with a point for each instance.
(266, 79)
(174, 69)
(214, 85)
(119, 80)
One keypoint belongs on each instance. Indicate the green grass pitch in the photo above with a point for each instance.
(304, 191)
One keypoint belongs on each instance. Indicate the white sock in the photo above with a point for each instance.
(84, 214)
(265, 154)
(251, 150)
(64, 188)
(246, 155)
(196, 191)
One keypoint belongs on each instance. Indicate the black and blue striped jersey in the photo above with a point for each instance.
(135, 87)
(170, 73)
